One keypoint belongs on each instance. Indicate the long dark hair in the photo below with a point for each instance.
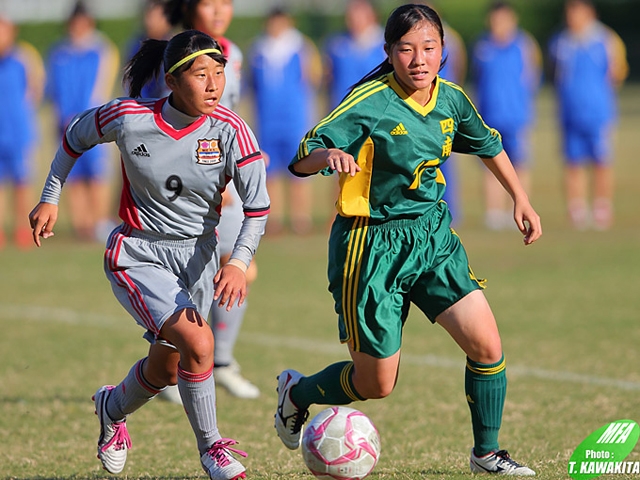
(400, 21)
(157, 55)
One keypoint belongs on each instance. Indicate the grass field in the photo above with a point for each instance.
(567, 308)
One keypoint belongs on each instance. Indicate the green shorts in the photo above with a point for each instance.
(377, 270)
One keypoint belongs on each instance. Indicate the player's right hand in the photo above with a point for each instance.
(42, 220)
(342, 162)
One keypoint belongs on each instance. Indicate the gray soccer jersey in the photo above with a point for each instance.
(232, 216)
(232, 72)
(172, 179)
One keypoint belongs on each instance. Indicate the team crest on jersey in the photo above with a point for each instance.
(208, 152)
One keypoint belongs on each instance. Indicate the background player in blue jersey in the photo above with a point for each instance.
(214, 17)
(21, 84)
(391, 243)
(506, 74)
(354, 52)
(178, 154)
(81, 72)
(589, 63)
(285, 70)
(455, 70)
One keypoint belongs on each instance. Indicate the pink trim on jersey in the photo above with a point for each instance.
(225, 43)
(96, 119)
(168, 129)
(128, 210)
(250, 159)
(245, 142)
(257, 213)
(123, 280)
(194, 377)
(113, 246)
(137, 300)
(67, 148)
(124, 107)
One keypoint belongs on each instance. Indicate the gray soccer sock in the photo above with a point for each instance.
(226, 328)
(132, 393)
(198, 393)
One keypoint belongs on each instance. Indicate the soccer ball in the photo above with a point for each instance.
(340, 443)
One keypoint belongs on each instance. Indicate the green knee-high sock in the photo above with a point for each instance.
(331, 386)
(486, 389)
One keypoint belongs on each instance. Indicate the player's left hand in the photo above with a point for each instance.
(230, 285)
(42, 220)
(528, 222)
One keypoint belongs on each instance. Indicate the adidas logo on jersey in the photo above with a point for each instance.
(141, 151)
(399, 130)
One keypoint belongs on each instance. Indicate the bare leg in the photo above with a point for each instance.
(82, 219)
(603, 186)
(472, 325)
(576, 187)
(22, 232)
(495, 203)
(374, 377)
(301, 221)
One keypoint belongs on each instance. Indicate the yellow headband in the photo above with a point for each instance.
(192, 56)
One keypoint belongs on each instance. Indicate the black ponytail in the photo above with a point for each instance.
(156, 57)
(384, 68)
(144, 66)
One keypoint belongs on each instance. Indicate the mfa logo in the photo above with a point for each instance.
(604, 451)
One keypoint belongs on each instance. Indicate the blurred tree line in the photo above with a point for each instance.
(540, 17)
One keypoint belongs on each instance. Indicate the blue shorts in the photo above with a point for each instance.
(281, 149)
(583, 146)
(92, 165)
(14, 165)
(517, 145)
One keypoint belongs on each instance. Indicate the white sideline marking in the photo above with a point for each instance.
(74, 317)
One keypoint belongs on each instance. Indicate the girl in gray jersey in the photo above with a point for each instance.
(178, 154)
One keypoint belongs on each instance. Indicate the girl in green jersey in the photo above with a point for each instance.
(391, 243)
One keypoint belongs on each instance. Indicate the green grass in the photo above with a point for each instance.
(567, 308)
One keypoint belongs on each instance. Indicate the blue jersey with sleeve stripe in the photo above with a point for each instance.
(350, 60)
(506, 78)
(18, 121)
(81, 76)
(584, 73)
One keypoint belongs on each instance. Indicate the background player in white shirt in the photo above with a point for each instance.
(214, 17)
(178, 154)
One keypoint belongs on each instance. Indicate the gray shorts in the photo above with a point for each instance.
(154, 277)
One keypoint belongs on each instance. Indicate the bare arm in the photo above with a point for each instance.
(526, 218)
(322, 158)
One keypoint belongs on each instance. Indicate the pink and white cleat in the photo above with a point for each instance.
(114, 441)
(219, 462)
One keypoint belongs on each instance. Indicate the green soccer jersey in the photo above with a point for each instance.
(399, 145)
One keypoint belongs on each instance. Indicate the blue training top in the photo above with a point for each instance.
(506, 77)
(351, 60)
(584, 76)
